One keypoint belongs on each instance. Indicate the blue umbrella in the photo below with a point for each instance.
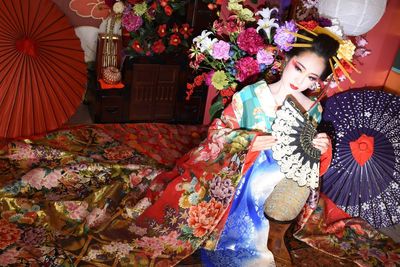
(364, 177)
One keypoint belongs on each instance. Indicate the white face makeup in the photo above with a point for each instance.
(302, 71)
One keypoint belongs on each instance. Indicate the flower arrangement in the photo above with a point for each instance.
(236, 52)
(247, 46)
(155, 27)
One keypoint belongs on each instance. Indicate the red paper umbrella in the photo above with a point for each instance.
(42, 69)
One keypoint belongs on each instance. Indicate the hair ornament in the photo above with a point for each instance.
(339, 63)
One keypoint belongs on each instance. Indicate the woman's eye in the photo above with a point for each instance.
(297, 68)
(313, 79)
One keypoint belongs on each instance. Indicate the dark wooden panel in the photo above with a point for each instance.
(142, 90)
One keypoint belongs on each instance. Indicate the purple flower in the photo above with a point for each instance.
(221, 189)
(246, 67)
(264, 57)
(283, 38)
(220, 50)
(250, 41)
(131, 22)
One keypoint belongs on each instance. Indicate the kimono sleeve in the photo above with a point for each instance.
(231, 115)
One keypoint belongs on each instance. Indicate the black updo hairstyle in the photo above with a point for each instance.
(323, 45)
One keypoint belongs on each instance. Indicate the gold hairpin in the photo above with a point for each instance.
(301, 36)
(299, 45)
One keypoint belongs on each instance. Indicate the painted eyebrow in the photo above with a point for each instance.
(305, 68)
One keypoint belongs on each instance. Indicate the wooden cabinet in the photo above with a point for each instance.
(153, 91)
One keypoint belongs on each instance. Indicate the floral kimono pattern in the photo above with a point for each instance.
(139, 194)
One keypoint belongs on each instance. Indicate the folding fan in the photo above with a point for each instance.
(294, 152)
(42, 68)
(364, 177)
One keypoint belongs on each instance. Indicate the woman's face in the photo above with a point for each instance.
(302, 71)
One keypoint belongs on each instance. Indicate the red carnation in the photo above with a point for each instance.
(158, 47)
(175, 40)
(162, 30)
(137, 47)
(168, 10)
(185, 30)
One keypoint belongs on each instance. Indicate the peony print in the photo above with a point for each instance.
(204, 216)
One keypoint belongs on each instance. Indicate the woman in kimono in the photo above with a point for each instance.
(243, 241)
(84, 197)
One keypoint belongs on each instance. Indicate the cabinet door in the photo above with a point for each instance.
(166, 92)
(142, 91)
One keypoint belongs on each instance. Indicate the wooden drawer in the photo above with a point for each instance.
(111, 108)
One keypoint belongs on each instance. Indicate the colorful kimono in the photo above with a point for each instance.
(105, 195)
(243, 241)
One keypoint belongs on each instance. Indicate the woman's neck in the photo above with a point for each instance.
(279, 92)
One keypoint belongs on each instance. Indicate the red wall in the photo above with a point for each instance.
(383, 41)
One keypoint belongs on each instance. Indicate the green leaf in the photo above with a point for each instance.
(254, 1)
(216, 108)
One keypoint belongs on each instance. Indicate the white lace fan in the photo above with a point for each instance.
(294, 152)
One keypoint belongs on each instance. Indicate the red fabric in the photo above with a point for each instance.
(325, 161)
(332, 212)
(105, 86)
(362, 149)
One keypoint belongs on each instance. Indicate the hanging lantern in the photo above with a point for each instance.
(356, 16)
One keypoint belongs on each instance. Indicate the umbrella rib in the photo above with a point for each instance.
(51, 100)
(10, 113)
(44, 71)
(50, 59)
(9, 21)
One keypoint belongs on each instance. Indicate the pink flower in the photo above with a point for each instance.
(34, 178)
(96, 216)
(204, 217)
(221, 50)
(246, 67)
(131, 22)
(152, 245)
(76, 210)
(265, 57)
(250, 41)
(208, 77)
(52, 179)
(137, 230)
(9, 257)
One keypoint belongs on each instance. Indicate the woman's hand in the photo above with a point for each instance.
(263, 142)
(322, 142)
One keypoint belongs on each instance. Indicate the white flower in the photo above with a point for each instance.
(335, 28)
(203, 42)
(267, 23)
(118, 7)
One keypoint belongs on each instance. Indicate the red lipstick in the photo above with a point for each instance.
(294, 87)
